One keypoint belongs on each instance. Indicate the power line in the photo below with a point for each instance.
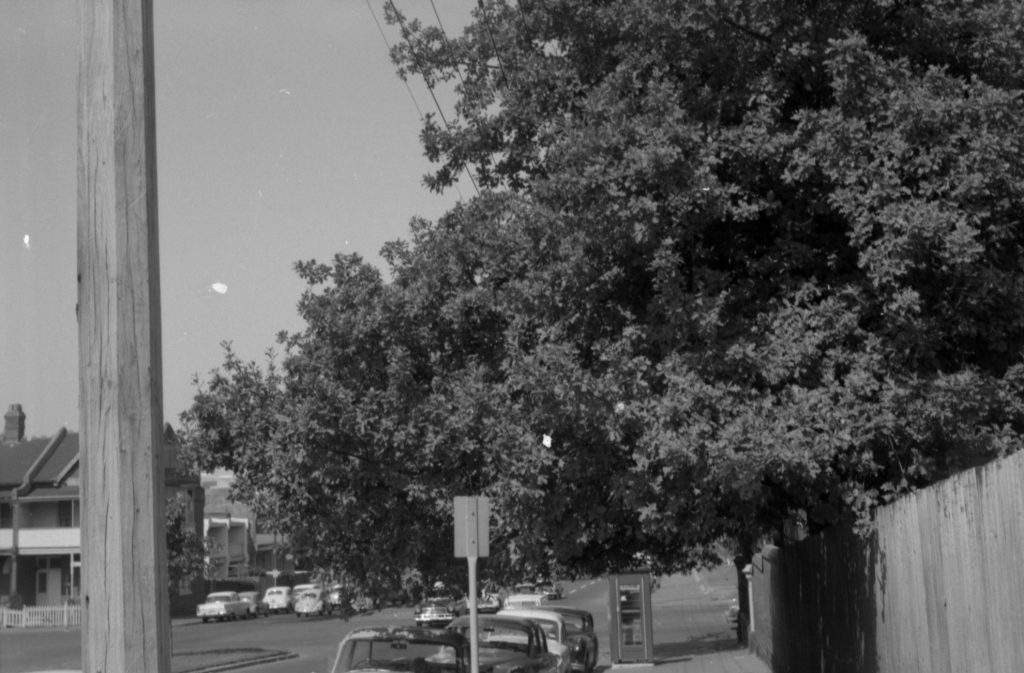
(387, 44)
(447, 43)
(490, 36)
(430, 88)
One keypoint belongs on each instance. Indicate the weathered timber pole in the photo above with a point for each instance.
(126, 621)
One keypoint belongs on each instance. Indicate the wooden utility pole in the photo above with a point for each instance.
(126, 621)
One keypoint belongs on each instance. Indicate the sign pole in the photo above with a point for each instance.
(474, 644)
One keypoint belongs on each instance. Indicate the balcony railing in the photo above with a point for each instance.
(42, 538)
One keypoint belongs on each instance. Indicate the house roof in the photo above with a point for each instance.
(17, 459)
(49, 477)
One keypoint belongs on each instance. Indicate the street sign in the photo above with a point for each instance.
(472, 522)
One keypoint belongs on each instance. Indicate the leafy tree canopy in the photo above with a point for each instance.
(732, 262)
(186, 548)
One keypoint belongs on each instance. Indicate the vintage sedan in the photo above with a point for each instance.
(278, 599)
(582, 639)
(338, 598)
(516, 645)
(433, 613)
(555, 630)
(255, 605)
(520, 601)
(222, 605)
(486, 604)
(311, 601)
(551, 590)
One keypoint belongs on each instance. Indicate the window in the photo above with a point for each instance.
(65, 513)
(6, 517)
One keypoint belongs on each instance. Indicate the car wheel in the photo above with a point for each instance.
(206, 620)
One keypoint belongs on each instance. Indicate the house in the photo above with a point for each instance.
(40, 512)
(241, 546)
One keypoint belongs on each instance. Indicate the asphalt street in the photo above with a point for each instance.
(691, 634)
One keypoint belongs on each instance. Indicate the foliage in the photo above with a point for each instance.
(186, 548)
(742, 261)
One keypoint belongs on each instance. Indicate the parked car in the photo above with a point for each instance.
(338, 598)
(554, 628)
(551, 590)
(582, 639)
(524, 588)
(485, 604)
(521, 601)
(434, 613)
(299, 588)
(256, 606)
(362, 603)
(404, 649)
(311, 601)
(509, 644)
(278, 599)
(222, 605)
(488, 604)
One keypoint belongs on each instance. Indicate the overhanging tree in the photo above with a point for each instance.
(740, 261)
(186, 548)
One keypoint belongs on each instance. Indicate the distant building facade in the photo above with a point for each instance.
(241, 545)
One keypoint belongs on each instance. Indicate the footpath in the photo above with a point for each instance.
(691, 635)
(691, 631)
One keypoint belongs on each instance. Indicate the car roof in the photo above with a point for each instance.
(533, 613)
(498, 619)
(568, 610)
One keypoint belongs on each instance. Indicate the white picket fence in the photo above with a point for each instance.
(41, 615)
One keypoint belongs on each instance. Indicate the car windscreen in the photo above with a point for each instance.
(414, 656)
(550, 629)
(576, 621)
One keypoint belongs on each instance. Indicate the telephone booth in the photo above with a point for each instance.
(631, 626)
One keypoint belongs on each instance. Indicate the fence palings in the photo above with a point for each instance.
(41, 615)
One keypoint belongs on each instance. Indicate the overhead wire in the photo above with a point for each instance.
(447, 43)
(430, 88)
(494, 44)
(387, 44)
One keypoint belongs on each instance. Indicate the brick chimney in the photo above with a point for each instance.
(14, 425)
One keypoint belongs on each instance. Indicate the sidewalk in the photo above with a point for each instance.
(691, 633)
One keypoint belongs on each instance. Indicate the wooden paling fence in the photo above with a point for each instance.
(41, 615)
(937, 588)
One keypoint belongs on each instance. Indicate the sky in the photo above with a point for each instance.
(283, 134)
